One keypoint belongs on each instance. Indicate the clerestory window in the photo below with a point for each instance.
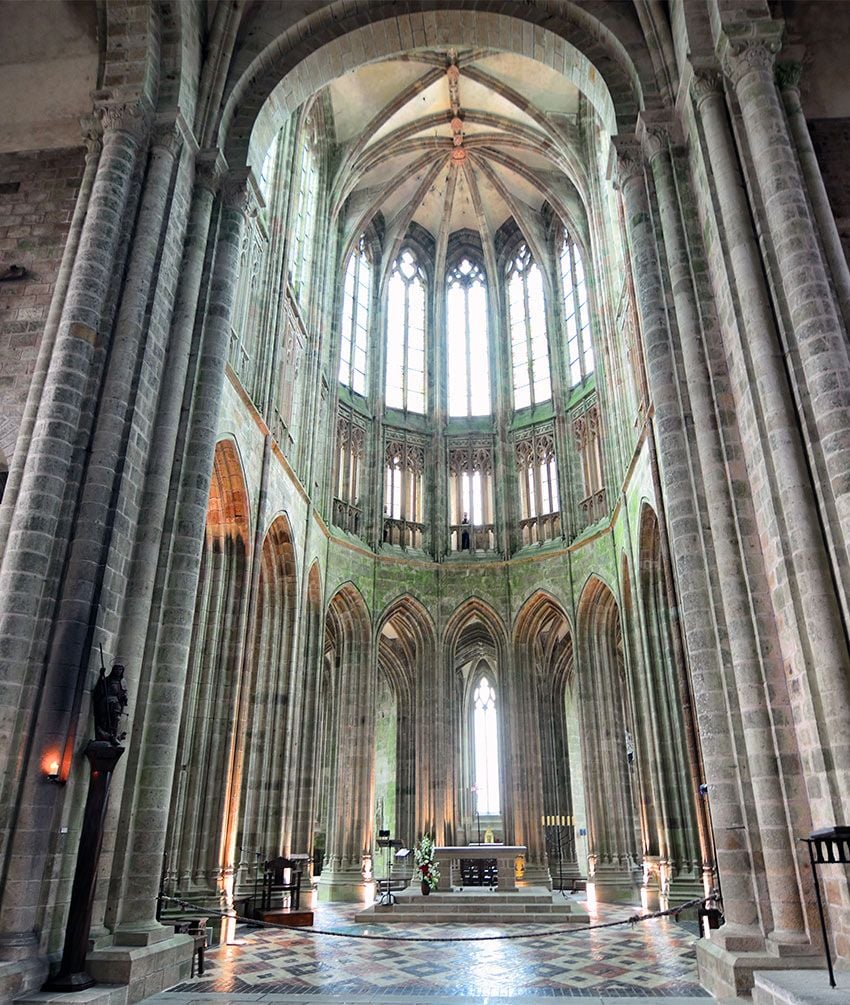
(405, 386)
(304, 221)
(267, 170)
(576, 312)
(356, 302)
(468, 340)
(529, 340)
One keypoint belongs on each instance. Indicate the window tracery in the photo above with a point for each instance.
(405, 377)
(529, 338)
(350, 448)
(404, 471)
(537, 470)
(485, 731)
(304, 221)
(576, 312)
(356, 304)
(468, 340)
(472, 526)
(244, 329)
(587, 433)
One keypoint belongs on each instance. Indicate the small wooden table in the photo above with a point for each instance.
(504, 854)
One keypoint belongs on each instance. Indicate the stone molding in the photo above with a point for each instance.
(630, 159)
(754, 54)
(210, 169)
(92, 135)
(706, 84)
(133, 117)
(239, 192)
(788, 74)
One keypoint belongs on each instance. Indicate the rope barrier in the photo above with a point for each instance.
(545, 933)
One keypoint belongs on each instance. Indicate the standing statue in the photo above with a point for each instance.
(109, 699)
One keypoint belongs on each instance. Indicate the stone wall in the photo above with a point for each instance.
(37, 196)
(831, 138)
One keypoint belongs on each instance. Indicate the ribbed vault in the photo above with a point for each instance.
(455, 140)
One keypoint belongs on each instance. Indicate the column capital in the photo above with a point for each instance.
(629, 158)
(210, 168)
(92, 135)
(132, 116)
(171, 132)
(655, 135)
(706, 83)
(754, 52)
(239, 192)
(788, 74)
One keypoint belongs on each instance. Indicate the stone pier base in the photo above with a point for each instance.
(729, 971)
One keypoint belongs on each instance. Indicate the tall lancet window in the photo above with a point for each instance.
(406, 335)
(486, 739)
(304, 219)
(529, 341)
(356, 300)
(576, 312)
(468, 348)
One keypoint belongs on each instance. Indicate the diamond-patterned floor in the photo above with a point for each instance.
(653, 959)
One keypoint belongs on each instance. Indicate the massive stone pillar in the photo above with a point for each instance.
(690, 547)
(758, 678)
(146, 804)
(811, 632)
(40, 698)
(788, 77)
(353, 733)
(820, 354)
(612, 850)
(524, 760)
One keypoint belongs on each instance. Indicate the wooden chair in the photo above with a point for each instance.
(275, 882)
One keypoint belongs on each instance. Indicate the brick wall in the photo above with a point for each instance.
(37, 196)
(831, 140)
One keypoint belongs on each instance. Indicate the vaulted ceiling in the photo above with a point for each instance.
(454, 140)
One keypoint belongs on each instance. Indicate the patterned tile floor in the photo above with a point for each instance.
(654, 959)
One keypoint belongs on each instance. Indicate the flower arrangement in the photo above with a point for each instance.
(423, 856)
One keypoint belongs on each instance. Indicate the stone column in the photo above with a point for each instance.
(819, 667)
(148, 800)
(788, 78)
(48, 338)
(50, 479)
(817, 338)
(758, 678)
(525, 762)
(350, 831)
(704, 637)
(92, 588)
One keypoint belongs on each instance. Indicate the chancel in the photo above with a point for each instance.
(441, 409)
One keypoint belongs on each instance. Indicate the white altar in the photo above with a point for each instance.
(504, 854)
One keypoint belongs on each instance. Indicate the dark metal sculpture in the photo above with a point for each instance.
(109, 700)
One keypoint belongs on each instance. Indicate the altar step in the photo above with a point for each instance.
(529, 906)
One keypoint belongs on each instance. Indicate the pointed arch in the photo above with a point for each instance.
(269, 692)
(406, 650)
(311, 734)
(607, 735)
(351, 732)
(671, 761)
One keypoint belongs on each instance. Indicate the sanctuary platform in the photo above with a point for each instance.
(531, 905)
